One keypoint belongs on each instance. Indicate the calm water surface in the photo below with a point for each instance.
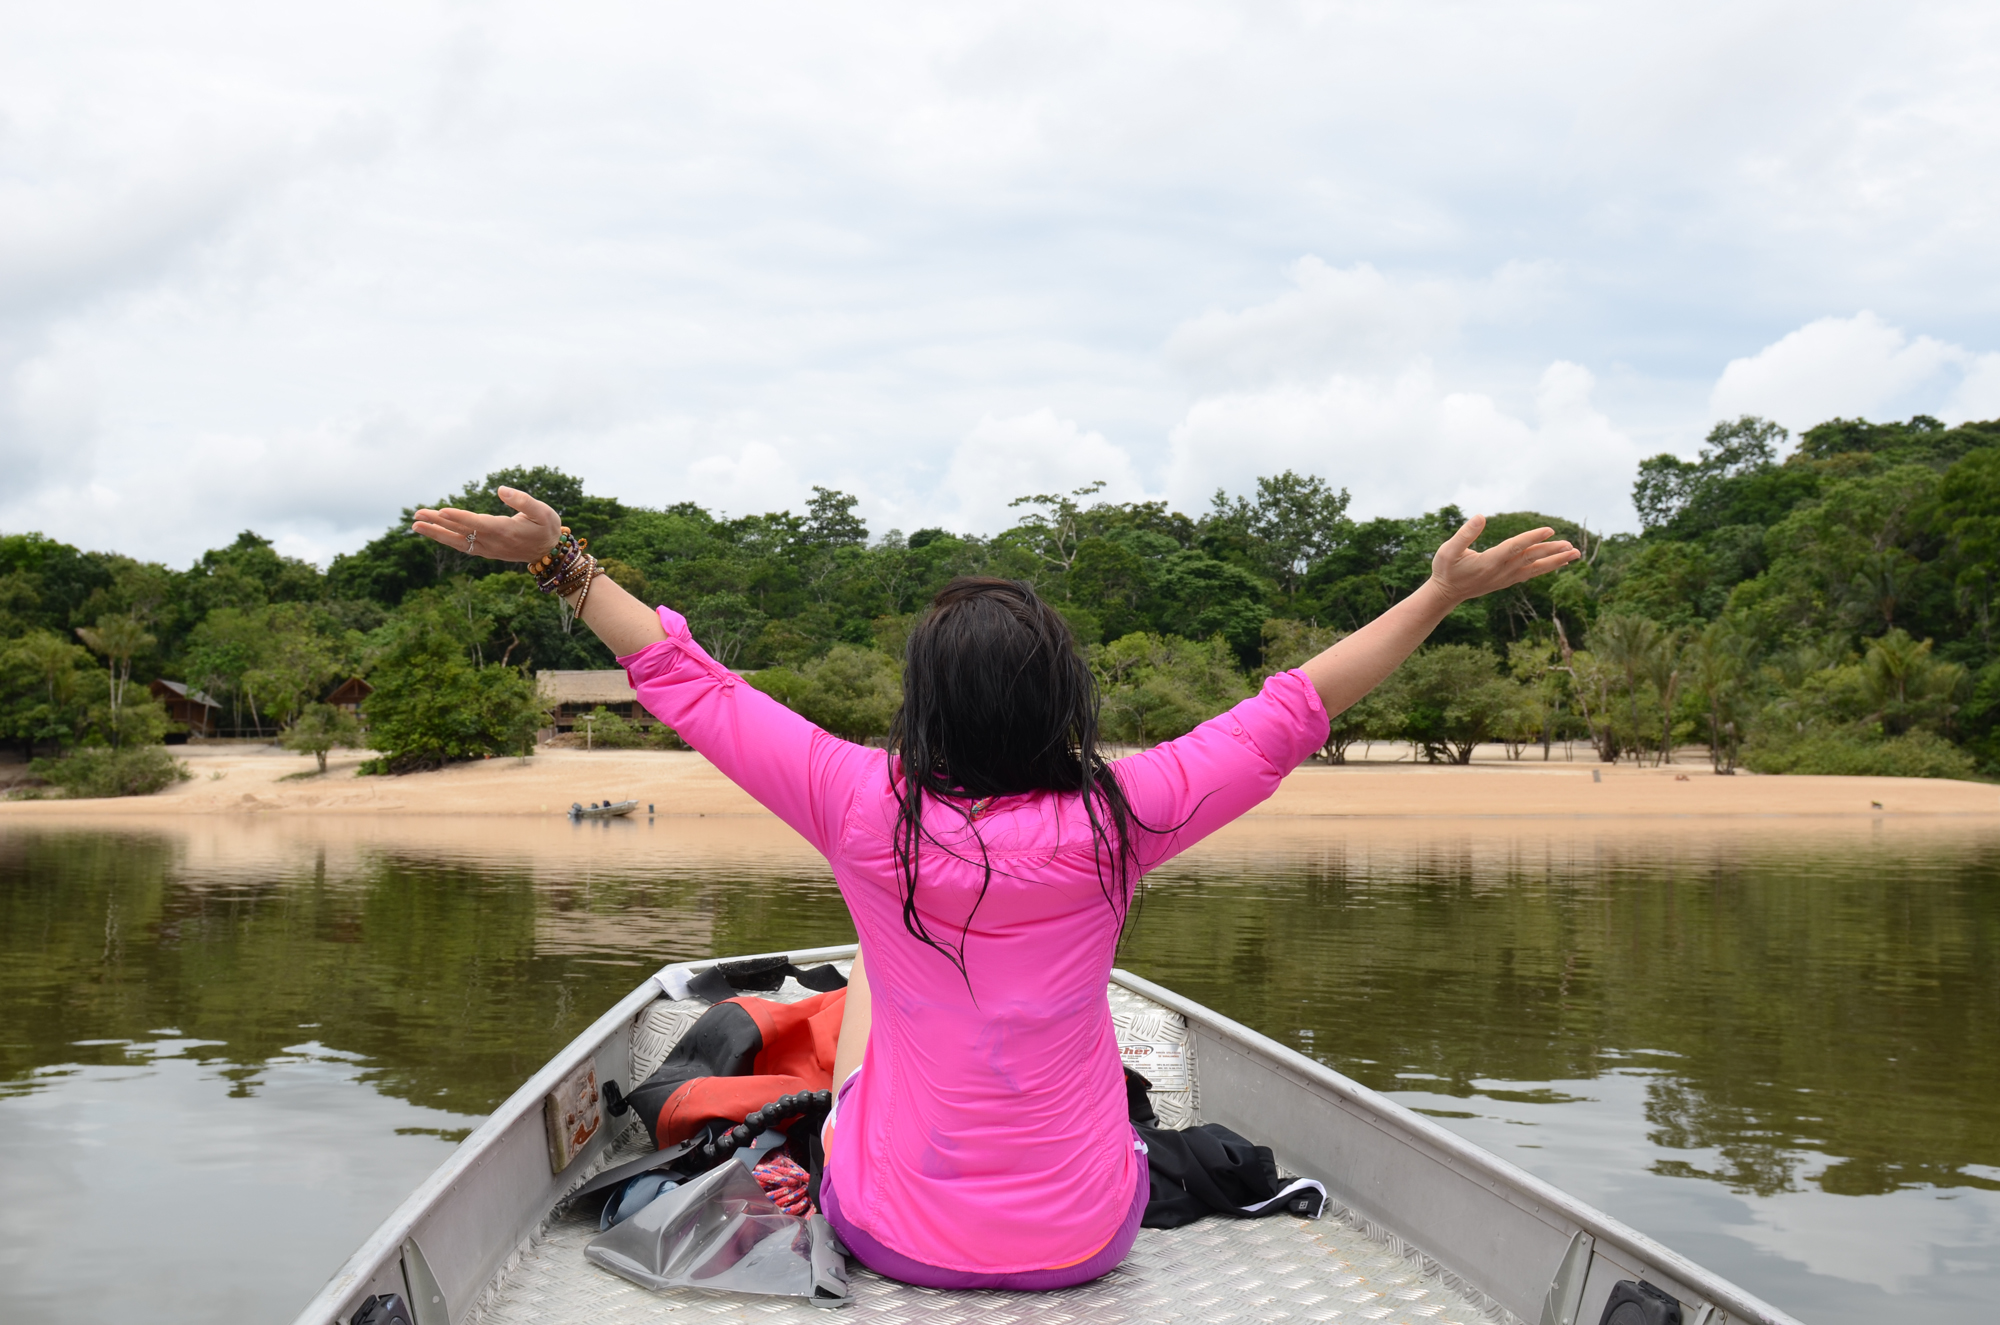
(229, 1048)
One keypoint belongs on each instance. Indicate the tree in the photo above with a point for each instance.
(1537, 665)
(432, 706)
(831, 521)
(1968, 514)
(1861, 557)
(221, 652)
(1053, 532)
(1198, 597)
(1590, 686)
(1664, 670)
(724, 623)
(42, 693)
(1737, 480)
(1295, 521)
(1627, 644)
(294, 661)
(851, 692)
(1908, 687)
(1153, 688)
(1113, 579)
(119, 639)
(1717, 659)
(1453, 700)
(320, 728)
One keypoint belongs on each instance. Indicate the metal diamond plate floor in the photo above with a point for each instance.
(1279, 1269)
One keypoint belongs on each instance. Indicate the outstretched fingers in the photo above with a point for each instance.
(449, 525)
(1455, 546)
(1543, 558)
(1524, 543)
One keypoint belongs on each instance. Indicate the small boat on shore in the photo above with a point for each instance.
(608, 810)
(1420, 1225)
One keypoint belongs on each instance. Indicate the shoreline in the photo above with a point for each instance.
(234, 780)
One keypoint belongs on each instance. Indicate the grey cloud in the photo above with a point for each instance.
(666, 248)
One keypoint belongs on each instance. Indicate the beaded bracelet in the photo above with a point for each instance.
(566, 569)
(588, 580)
(558, 563)
(573, 575)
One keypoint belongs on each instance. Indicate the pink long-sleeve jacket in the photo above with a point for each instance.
(987, 1129)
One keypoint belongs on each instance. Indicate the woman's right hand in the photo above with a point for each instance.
(523, 536)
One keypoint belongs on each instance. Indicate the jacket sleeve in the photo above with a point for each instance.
(1184, 789)
(800, 773)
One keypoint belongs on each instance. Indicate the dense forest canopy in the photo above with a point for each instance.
(1827, 605)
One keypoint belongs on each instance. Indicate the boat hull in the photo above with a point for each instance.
(1511, 1242)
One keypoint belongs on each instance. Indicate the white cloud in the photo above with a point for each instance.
(1347, 318)
(1331, 316)
(1001, 459)
(750, 479)
(1406, 442)
(1854, 367)
(1349, 375)
(1978, 395)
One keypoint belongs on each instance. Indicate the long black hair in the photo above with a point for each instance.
(997, 701)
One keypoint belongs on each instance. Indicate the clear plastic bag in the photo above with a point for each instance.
(720, 1231)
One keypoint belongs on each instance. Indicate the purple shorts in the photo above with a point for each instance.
(894, 1265)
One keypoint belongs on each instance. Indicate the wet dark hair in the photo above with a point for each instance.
(997, 700)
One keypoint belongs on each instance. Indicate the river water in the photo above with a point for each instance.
(230, 1046)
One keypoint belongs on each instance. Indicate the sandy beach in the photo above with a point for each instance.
(233, 779)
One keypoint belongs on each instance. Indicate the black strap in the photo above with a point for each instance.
(761, 975)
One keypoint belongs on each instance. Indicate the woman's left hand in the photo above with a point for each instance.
(1463, 573)
(532, 530)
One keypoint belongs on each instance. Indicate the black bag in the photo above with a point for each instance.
(1205, 1170)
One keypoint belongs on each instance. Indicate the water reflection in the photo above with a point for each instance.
(453, 969)
(1786, 1000)
(237, 1043)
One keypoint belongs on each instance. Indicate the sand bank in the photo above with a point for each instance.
(259, 780)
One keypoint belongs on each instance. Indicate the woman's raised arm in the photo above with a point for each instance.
(1360, 662)
(625, 624)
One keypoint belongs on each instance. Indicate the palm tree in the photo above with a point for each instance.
(1717, 659)
(1627, 643)
(1663, 669)
(1905, 683)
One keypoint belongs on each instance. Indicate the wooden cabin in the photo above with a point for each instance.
(570, 695)
(189, 708)
(349, 694)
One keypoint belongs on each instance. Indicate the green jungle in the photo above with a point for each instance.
(1824, 607)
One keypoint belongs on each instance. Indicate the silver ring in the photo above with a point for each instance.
(470, 539)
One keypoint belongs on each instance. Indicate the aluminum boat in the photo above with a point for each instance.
(608, 810)
(1421, 1225)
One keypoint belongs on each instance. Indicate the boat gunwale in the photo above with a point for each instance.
(385, 1244)
(1454, 1150)
(383, 1247)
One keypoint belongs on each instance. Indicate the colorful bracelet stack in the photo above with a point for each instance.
(567, 569)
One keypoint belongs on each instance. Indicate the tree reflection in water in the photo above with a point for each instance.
(1812, 1008)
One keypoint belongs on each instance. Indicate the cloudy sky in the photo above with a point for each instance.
(294, 268)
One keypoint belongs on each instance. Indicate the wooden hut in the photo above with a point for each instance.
(349, 694)
(570, 695)
(187, 708)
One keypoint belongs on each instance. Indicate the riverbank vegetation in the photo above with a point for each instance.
(1824, 606)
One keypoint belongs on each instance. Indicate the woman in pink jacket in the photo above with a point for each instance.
(988, 857)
